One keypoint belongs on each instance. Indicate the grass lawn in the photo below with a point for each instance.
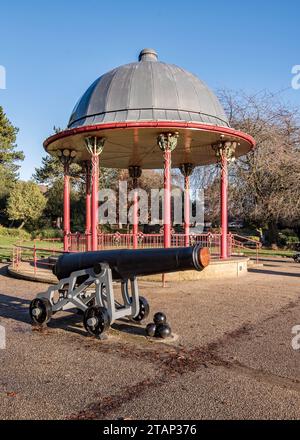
(270, 252)
(6, 246)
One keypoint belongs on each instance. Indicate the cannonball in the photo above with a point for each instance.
(159, 318)
(163, 331)
(151, 329)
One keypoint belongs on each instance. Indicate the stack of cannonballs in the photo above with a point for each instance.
(159, 328)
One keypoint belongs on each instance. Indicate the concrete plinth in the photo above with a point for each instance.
(216, 270)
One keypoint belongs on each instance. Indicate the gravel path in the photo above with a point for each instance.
(233, 357)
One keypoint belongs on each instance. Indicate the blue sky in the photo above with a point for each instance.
(53, 50)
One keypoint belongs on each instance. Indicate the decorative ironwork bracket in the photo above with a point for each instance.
(66, 156)
(94, 145)
(135, 171)
(167, 141)
(186, 169)
(225, 150)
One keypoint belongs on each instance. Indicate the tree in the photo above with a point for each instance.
(52, 169)
(8, 154)
(265, 185)
(25, 202)
(51, 173)
(9, 159)
(54, 206)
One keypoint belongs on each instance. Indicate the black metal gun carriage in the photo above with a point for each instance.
(85, 282)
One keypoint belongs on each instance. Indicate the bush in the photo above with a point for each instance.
(254, 237)
(291, 240)
(288, 237)
(13, 232)
(47, 233)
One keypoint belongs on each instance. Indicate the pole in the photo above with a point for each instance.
(66, 207)
(94, 145)
(225, 153)
(135, 219)
(187, 210)
(88, 223)
(224, 206)
(66, 157)
(167, 198)
(95, 201)
(135, 172)
(167, 143)
(186, 170)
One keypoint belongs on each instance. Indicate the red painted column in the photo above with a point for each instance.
(88, 200)
(95, 201)
(135, 220)
(167, 197)
(135, 172)
(67, 228)
(167, 143)
(94, 146)
(186, 170)
(187, 210)
(224, 207)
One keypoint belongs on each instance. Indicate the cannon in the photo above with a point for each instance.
(85, 282)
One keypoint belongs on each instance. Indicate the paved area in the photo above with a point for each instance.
(233, 357)
(27, 271)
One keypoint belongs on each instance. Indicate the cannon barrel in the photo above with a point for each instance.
(128, 263)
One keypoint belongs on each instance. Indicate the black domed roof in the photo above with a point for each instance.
(148, 90)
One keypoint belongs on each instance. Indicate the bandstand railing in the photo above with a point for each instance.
(242, 244)
(79, 242)
(43, 256)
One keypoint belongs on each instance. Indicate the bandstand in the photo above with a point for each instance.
(146, 115)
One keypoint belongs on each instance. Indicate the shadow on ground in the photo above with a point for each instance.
(274, 272)
(287, 260)
(13, 307)
(17, 308)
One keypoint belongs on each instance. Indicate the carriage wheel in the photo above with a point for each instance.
(40, 311)
(96, 320)
(144, 310)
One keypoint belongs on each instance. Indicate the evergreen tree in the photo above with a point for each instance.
(9, 160)
(8, 154)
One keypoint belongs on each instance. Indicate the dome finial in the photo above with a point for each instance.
(148, 55)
